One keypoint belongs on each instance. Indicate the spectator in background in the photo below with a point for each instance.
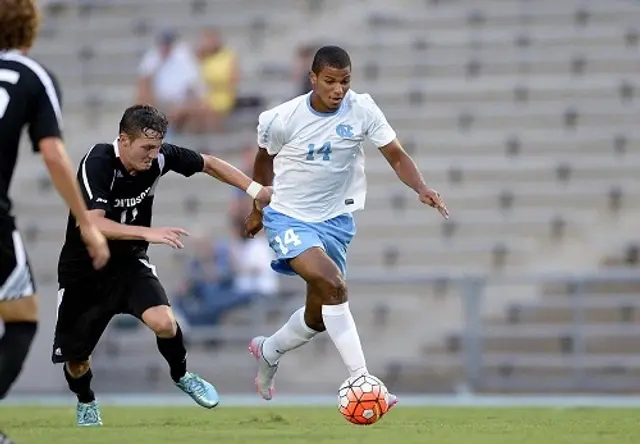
(304, 57)
(208, 278)
(220, 72)
(251, 259)
(222, 277)
(208, 266)
(169, 79)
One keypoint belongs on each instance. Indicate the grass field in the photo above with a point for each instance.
(409, 425)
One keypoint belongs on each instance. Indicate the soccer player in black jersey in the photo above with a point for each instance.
(29, 97)
(119, 180)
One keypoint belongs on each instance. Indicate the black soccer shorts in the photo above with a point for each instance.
(86, 307)
(16, 279)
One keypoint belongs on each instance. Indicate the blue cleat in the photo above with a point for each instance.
(4, 439)
(202, 392)
(88, 414)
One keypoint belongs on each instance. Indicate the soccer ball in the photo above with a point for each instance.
(362, 400)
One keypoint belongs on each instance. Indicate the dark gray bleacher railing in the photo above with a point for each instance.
(474, 358)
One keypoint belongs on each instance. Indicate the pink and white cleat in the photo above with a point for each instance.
(266, 372)
(392, 400)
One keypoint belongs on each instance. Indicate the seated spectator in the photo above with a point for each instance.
(221, 74)
(220, 278)
(251, 259)
(207, 275)
(169, 79)
(209, 266)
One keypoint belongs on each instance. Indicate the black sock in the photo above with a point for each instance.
(81, 386)
(14, 348)
(172, 349)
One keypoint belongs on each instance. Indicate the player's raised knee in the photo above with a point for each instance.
(78, 368)
(333, 288)
(161, 321)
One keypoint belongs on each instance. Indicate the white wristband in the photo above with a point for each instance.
(253, 189)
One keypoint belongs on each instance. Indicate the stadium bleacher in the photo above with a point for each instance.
(522, 114)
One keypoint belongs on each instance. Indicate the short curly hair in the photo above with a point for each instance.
(19, 23)
(143, 120)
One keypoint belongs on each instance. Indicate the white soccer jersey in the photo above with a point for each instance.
(319, 158)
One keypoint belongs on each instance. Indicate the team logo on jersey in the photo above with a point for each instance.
(345, 131)
(132, 201)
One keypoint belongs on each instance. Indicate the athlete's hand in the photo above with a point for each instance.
(432, 198)
(96, 244)
(263, 198)
(253, 222)
(167, 236)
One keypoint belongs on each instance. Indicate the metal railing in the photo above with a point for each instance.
(576, 367)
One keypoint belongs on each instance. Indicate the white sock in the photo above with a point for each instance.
(293, 334)
(344, 334)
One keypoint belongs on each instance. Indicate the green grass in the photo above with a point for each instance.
(124, 425)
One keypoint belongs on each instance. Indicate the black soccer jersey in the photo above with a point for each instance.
(29, 96)
(125, 198)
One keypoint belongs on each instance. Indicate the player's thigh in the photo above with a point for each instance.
(84, 311)
(289, 238)
(326, 269)
(336, 235)
(147, 299)
(17, 288)
(24, 309)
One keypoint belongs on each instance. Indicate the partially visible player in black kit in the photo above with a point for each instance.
(119, 180)
(29, 97)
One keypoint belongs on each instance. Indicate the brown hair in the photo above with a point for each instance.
(19, 23)
(139, 120)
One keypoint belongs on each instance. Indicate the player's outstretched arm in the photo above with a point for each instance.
(263, 167)
(227, 173)
(117, 231)
(408, 172)
(262, 173)
(58, 163)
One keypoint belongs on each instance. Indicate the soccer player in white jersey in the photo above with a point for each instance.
(311, 149)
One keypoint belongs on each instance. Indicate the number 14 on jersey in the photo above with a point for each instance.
(324, 151)
(290, 238)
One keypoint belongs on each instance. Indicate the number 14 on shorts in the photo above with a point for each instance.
(290, 239)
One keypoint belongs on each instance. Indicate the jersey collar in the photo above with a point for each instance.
(318, 113)
(11, 51)
(120, 166)
(116, 147)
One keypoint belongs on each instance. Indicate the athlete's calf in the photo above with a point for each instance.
(20, 318)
